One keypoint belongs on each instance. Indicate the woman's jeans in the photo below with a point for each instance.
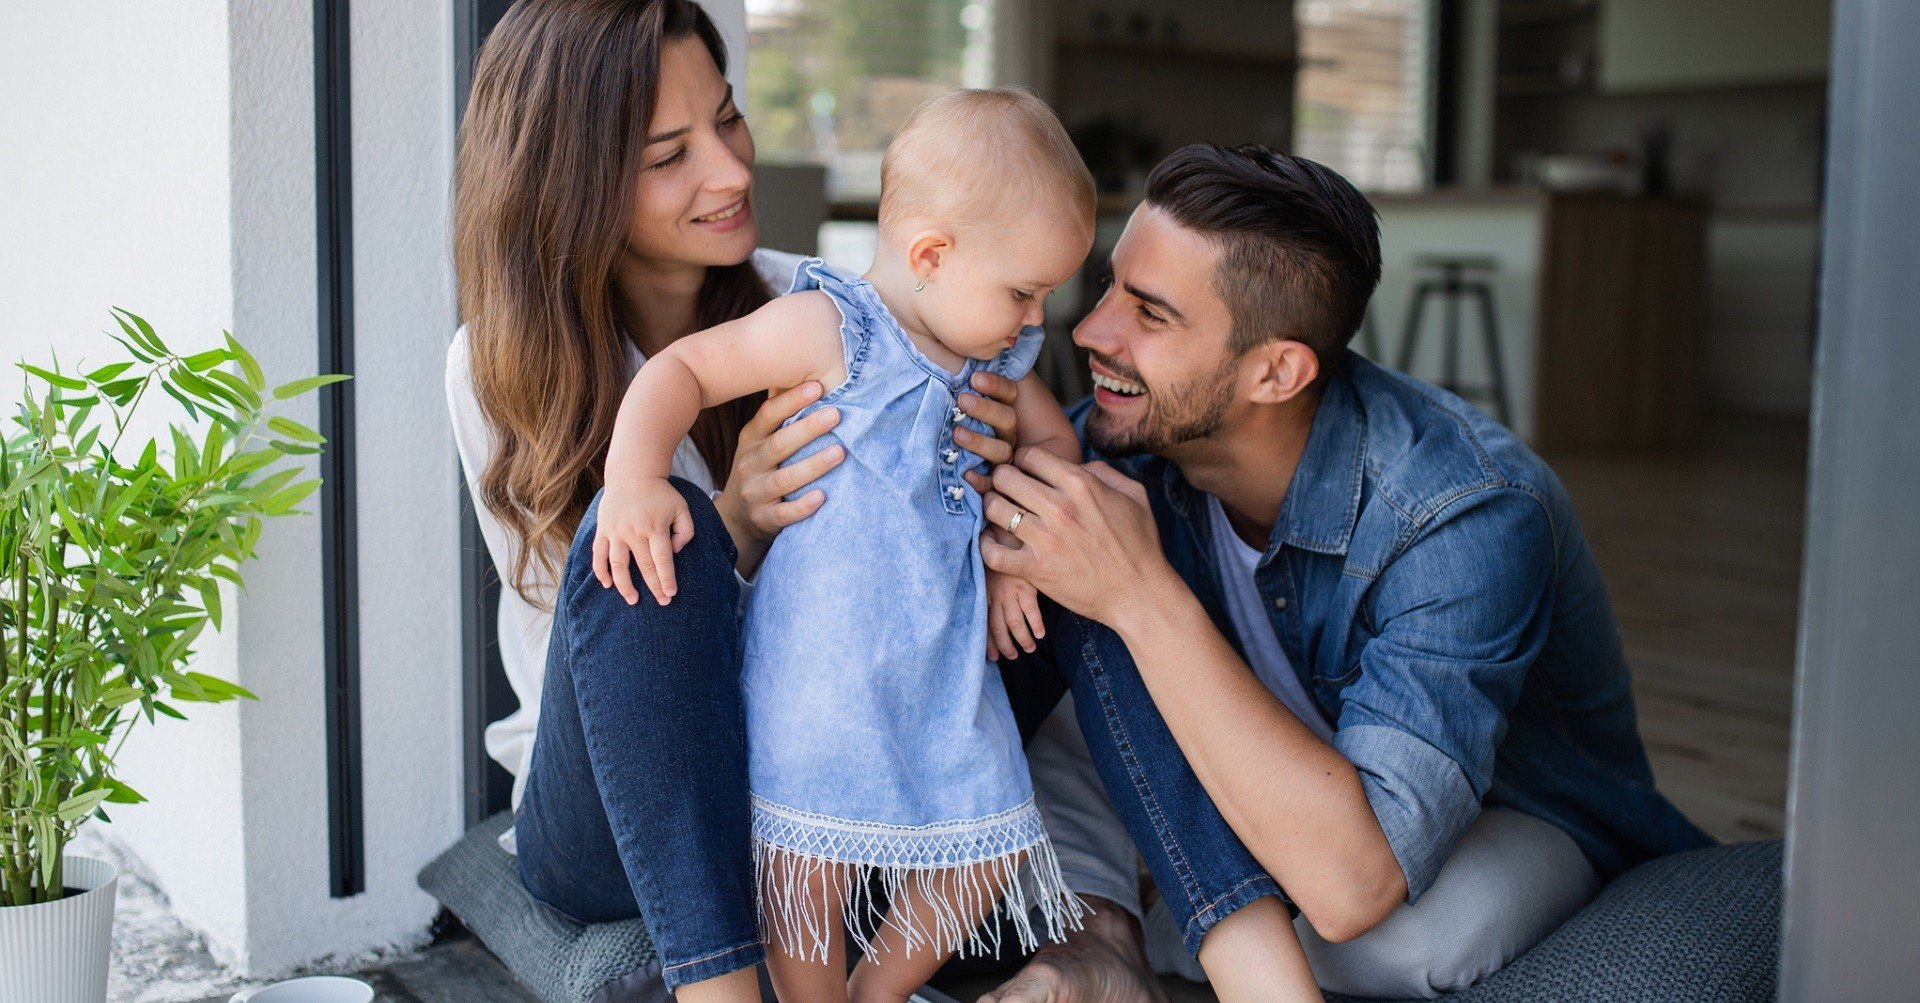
(636, 800)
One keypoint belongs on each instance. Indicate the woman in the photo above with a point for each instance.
(604, 209)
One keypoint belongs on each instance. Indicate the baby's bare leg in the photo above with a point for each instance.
(1254, 954)
(793, 959)
(891, 974)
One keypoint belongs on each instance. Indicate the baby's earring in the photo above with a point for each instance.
(922, 285)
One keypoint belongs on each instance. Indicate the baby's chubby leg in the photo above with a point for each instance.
(891, 974)
(793, 963)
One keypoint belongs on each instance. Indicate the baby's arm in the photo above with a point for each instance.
(642, 518)
(1013, 604)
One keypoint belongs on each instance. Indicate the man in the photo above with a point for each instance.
(1335, 639)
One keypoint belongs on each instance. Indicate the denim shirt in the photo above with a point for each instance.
(1429, 581)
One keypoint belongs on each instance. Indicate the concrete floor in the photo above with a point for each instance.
(1701, 553)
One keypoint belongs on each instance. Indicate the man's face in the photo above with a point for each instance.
(1162, 371)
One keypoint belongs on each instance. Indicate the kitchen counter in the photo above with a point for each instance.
(1600, 301)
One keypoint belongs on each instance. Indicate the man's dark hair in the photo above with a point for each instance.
(1300, 246)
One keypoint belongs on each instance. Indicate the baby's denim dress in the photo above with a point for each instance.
(880, 741)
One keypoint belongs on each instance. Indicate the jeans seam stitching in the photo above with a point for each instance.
(1176, 854)
(709, 957)
(1208, 909)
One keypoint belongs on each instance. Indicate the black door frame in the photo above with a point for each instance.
(485, 693)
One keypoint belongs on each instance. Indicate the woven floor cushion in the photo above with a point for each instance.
(1701, 926)
(559, 960)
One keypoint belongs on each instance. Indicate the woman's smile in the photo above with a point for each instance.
(728, 219)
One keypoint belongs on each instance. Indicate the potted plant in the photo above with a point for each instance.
(113, 555)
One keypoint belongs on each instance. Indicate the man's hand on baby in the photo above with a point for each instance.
(1013, 616)
(646, 524)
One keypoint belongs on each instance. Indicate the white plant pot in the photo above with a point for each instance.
(56, 952)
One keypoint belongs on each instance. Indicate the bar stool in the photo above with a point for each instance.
(1458, 276)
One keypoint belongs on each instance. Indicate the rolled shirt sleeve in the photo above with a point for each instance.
(1460, 615)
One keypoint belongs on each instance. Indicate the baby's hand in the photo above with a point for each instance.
(645, 522)
(1013, 616)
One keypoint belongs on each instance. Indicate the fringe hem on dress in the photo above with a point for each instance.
(820, 851)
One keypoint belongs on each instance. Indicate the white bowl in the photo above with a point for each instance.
(312, 989)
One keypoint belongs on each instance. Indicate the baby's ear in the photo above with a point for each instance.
(928, 251)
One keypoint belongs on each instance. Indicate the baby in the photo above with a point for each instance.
(882, 752)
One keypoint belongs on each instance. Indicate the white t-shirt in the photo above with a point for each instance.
(1234, 563)
(524, 627)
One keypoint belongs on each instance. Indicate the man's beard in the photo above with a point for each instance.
(1193, 410)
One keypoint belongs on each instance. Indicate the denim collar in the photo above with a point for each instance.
(1323, 499)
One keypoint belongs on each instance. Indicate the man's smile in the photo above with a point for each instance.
(1109, 390)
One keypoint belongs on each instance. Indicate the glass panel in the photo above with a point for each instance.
(1361, 104)
(830, 81)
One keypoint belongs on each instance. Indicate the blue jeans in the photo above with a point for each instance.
(1201, 868)
(636, 801)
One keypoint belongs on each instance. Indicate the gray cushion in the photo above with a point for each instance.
(1701, 926)
(559, 960)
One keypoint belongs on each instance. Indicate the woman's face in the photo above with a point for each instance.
(693, 197)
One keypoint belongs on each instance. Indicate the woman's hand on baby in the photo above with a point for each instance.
(645, 524)
(755, 499)
(1013, 616)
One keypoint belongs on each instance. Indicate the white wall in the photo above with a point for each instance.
(114, 191)
(403, 317)
(161, 157)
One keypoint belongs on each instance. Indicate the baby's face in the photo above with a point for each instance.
(994, 284)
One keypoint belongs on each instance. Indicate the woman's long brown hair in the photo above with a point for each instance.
(563, 92)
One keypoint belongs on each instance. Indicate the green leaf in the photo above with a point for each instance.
(106, 373)
(121, 793)
(202, 361)
(134, 350)
(80, 806)
(126, 496)
(210, 597)
(141, 331)
(203, 388)
(298, 387)
(283, 501)
(239, 387)
(64, 382)
(221, 687)
(168, 711)
(118, 696)
(294, 430)
(177, 395)
(211, 451)
(122, 391)
(248, 367)
(294, 449)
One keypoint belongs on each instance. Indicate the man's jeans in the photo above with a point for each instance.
(1511, 881)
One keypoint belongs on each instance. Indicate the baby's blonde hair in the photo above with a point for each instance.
(982, 158)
